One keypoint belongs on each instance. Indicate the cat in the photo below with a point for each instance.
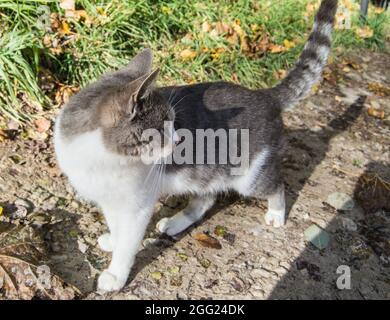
(99, 145)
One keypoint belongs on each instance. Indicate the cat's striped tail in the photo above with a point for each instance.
(307, 71)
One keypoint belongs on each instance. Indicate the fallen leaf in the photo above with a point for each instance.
(207, 241)
(24, 275)
(380, 114)
(220, 231)
(379, 89)
(64, 29)
(156, 275)
(1, 210)
(42, 125)
(365, 32)
(187, 54)
(276, 48)
(288, 44)
(280, 74)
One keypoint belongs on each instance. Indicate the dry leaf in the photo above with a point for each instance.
(275, 48)
(380, 114)
(207, 241)
(220, 231)
(187, 54)
(23, 269)
(64, 29)
(280, 74)
(288, 44)
(42, 125)
(379, 89)
(365, 32)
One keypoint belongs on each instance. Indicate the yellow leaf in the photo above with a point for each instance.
(1, 210)
(275, 48)
(288, 44)
(365, 32)
(187, 54)
(65, 29)
(379, 10)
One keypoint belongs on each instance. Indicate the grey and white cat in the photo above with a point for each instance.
(99, 144)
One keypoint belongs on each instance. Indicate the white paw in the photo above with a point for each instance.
(174, 225)
(109, 282)
(276, 218)
(164, 226)
(105, 243)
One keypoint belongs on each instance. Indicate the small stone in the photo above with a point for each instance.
(349, 224)
(82, 246)
(150, 242)
(257, 230)
(205, 263)
(24, 203)
(260, 273)
(340, 201)
(19, 213)
(318, 237)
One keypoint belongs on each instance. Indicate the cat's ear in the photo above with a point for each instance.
(140, 89)
(146, 85)
(141, 64)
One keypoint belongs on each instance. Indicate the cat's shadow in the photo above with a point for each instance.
(298, 168)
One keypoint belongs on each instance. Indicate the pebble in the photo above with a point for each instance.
(317, 236)
(82, 246)
(257, 230)
(349, 224)
(19, 213)
(260, 273)
(340, 201)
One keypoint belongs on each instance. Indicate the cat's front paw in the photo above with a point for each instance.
(275, 217)
(109, 282)
(105, 242)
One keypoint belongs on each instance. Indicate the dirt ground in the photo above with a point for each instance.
(333, 142)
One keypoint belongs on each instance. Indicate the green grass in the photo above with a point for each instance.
(121, 27)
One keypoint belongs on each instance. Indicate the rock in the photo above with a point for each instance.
(260, 273)
(349, 224)
(317, 236)
(82, 246)
(150, 242)
(257, 230)
(19, 213)
(340, 201)
(24, 203)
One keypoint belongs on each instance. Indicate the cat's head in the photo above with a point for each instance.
(128, 114)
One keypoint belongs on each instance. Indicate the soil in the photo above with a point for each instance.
(333, 143)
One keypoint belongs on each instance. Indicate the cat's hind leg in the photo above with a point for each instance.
(195, 210)
(276, 214)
